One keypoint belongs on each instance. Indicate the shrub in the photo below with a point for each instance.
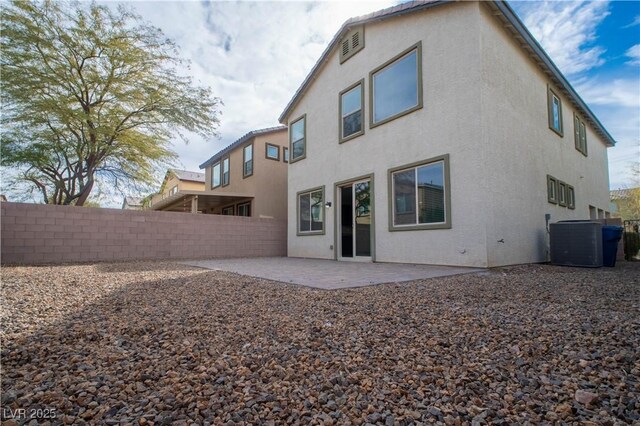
(631, 244)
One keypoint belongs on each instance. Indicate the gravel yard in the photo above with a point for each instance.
(163, 343)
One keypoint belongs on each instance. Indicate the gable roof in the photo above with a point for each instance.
(239, 142)
(187, 175)
(133, 201)
(621, 194)
(509, 20)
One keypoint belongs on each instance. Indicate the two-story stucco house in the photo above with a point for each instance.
(249, 177)
(179, 192)
(439, 133)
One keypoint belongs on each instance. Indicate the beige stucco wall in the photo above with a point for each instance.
(267, 184)
(522, 150)
(484, 105)
(451, 94)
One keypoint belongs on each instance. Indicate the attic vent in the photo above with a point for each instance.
(352, 43)
(345, 48)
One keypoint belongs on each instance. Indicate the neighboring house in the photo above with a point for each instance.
(249, 177)
(132, 203)
(439, 133)
(626, 203)
(179, 192)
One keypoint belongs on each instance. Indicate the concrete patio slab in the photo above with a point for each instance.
(328, 274)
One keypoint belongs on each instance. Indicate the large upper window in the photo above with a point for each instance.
(555, 111)
(225, 172)
(420, 196)
(351, 110)
(396, 86)
(297, 138)
(247, 155)
(580, 133)
(311, 211)
(215, 175)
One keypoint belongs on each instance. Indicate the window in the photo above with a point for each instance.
(562, 194)
(552, 189)
(244, 209)
(592, 213)
(420, 195)
(215, 175)
(228, 211)
(351, 110)
(396, 87)
(571, 197)
(247, 155)
(555, 111)
(352, 43)
(311, 212)
(580, 134)
(225, 172)
(285, 155)
(272, 152)
(173, 191)
(297, 139)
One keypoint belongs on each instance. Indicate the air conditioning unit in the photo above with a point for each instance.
(576, 243)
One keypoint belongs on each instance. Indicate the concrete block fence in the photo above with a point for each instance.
(37, 233)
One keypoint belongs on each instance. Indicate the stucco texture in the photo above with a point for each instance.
(485, 105)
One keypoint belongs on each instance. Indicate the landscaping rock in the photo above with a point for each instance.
(163, 343)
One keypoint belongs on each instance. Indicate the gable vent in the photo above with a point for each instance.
(345, 47)
(352, 43)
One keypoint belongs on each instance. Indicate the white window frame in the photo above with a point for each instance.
(293, 159)
(215, 174)
(245, 161)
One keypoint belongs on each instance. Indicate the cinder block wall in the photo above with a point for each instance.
(36, 233)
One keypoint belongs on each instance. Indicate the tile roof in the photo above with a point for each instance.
(187, 175)
(503, 11)
(621, 194)
(133, 201)
(239, 142)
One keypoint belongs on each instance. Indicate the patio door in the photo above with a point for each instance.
(355, 221)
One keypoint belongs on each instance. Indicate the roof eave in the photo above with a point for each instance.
(245, 138)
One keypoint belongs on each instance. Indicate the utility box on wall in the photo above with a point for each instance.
(576, 243)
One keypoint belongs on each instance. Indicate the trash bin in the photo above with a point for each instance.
(610, 237)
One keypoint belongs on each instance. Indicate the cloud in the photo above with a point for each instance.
(616, 103)
(633, 23)
(634, 53)
(623, 92)
(254, 55)
(567, 32)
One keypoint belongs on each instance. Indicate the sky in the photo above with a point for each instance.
(255, 55)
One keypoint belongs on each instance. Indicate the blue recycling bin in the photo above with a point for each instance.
(610, 237)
